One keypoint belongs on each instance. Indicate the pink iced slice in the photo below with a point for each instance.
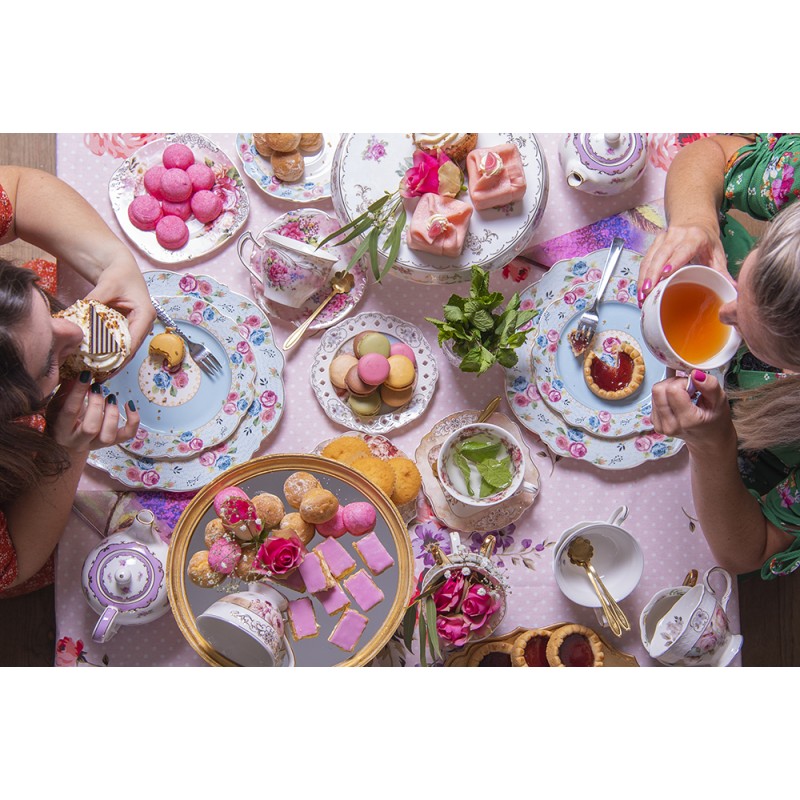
(373, 553)
(364, 590)
(334, 599)
(315, 576)
(302, 618)
(348, 630)
(338, 559)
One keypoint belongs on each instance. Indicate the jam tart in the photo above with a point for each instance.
(618, 380)
(575, 646)
(578, 343)
(491, 654)
(530, 649)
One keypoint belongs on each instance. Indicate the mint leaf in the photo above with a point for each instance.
(479, 449)
(463, 467)
(453, 314)
(506, 357)
(496, 473)
(472, 361)
(483, 321)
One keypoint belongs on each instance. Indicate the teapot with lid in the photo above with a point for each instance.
(123, 578)
(603, 163)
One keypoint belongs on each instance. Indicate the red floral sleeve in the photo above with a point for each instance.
(6, 212)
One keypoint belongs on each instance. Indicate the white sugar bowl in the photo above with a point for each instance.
(603, 163)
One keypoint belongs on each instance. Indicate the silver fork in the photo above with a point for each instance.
(587, 324)
(201, 355)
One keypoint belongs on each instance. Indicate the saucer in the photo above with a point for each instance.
(485, 519)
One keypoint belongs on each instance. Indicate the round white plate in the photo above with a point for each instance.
(315, 183)
(263, 413)
(368, 164)
(536, 415)
(128, 182)
(311, 226)
(212, 412)
(339, 338)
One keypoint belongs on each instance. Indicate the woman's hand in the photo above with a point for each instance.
(82, 423)
(676, 247)
(706, 424)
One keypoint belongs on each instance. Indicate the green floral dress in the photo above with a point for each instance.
(760, 179)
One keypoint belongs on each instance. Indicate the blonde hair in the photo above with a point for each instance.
(769, 416)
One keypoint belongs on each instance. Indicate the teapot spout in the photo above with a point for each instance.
(574, 179)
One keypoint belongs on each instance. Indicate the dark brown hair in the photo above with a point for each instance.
(26, 455)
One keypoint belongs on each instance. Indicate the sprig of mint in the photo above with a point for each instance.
(495, 473)
(481, 335)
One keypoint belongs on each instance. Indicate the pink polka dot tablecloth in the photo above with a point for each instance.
(657, 493)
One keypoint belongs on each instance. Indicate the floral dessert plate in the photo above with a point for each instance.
(315, 183)
(382, 448)
(537, 416)
(310, 226)
(128, 182)
(366, 165)
(485, 519)
(339, 339)
(262, 414)
(559, 374)
(187, 411)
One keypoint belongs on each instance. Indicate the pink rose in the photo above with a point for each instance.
(243, 347)
(180, 379)
(68, 652)
(279, 556)
(423, 177)
(570, 298)
(207, 459)
(661, 149)
(204, 287)
(249, 358)
(580, 291)
(268, 398)
(554, 396)
(448, 595)
(477, 607)
(244, 331)
(150, 477)
(196, 444)
(647, 421)
(188, 283)
(562, 443)
(552, 335)
(605, 416)
(455, 630)
(229, 408)
(252, 321)
(198, 305)
(532, 392)
(516, 270)
(118, 145)
(605, 428)
(622, 297)
(643, 444)
(291, 230)
(657, 437)
(521, 400)
(183, 447)
(526, 305)
(594, 275)
(577, 449)
(136, 444)
(553, 347)
(132, 474)
(196, 318)
(268, 414)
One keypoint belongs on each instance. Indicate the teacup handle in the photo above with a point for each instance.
(728, 585)
(240, 246)
(620, 515)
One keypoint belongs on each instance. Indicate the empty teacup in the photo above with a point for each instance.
(687, 625)
(288, 271)
(247, 627)
(479, 466)
(680, 320)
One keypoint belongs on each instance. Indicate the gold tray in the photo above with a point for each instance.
(613, 657)
(263, 474)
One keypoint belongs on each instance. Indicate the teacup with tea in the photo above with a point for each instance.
(681, 324)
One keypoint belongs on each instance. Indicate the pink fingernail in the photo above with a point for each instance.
(699, 375)
(646, 286)
(667, 268)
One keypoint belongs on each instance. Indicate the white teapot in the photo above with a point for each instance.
(603, 163)
(123, 578)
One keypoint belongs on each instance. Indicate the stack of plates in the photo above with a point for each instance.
(546, 389)
(195, 426)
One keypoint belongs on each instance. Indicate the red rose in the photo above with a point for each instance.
(448, 595)
(279, 556)
(477, 607)
(455, 630)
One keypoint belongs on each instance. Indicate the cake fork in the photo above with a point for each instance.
(201, 355)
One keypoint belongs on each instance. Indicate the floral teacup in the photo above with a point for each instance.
(289, 271)
(687, 625)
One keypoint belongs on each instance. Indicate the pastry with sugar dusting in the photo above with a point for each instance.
(496, 176)
(439, 225)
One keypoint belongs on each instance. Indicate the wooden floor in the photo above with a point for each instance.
(770, 610)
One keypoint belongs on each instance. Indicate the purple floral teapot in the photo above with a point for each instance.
(603, 163)
(123, 578)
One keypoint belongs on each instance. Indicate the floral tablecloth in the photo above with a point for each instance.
(658, 494)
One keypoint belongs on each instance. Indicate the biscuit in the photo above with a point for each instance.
(407, 480)
(346, 449)
(377, 472)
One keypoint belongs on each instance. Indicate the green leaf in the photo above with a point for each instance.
(471, 307)
(363, 226)
(430, 623)
(453, 314)
(472, 361)
(496, 473)
(491, 301)
(409, 624)
(393, 241)
(372, 246)
(463, 467)
(506, 357)
(483, 321)
(360, 250)
(423, 643)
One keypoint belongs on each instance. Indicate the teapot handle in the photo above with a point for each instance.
(620, 515)
(728, 585)
(105, 627)
(240, 246)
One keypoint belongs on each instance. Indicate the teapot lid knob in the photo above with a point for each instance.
(612, 138)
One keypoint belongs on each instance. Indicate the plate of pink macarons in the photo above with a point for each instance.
(179, 198)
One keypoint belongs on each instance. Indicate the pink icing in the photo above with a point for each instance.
(373, 553)
(335, 526)
(201, 176)
(240, 517)
(333, 599)
(176, 185)
(338, 559)
(302, 618)
(223, 494)
(152, 181)
(224, 555)
(364, 590)
(315, 576)
(206, 206)
(359, 518)
(348, 630)
(178, 156)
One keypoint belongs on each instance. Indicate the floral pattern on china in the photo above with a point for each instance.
(367, 165)
(127, 182)
(261, 415)
(537, 416)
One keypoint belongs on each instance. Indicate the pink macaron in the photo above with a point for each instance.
(201, 176)
(402, 349)
(171, 232)
(373, 369)
(359, 518)
(144, 212)
(177, 156)
(334, 527)
(152, 181)
(206, 206)
(176, 185)
(182, 210)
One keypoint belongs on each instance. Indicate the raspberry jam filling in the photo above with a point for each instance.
(535, 649)
(613, 377)
(575, 651)
(496, 659)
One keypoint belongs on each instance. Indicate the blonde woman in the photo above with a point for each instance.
(744, 445)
